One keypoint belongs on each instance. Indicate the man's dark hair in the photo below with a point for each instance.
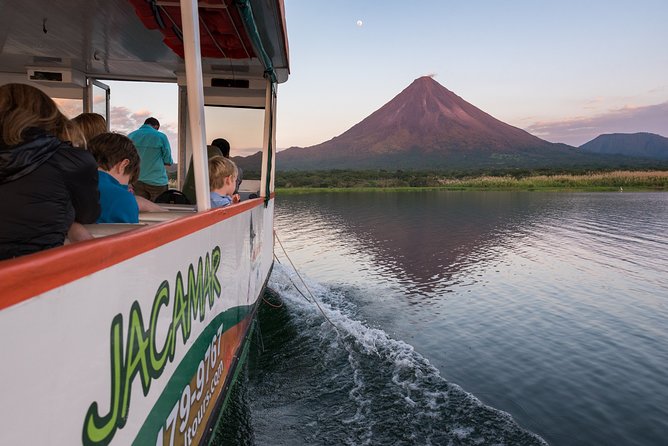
(152, 122)
(223, 145)
(110, 149)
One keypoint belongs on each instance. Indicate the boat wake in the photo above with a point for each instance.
(354, 384)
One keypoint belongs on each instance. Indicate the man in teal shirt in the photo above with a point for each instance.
(155, 153)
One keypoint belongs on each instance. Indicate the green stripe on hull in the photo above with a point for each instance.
(233, 380)
(185, 371)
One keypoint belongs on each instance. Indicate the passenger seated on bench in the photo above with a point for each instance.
(93, 124)
(222, 181)
(224, 147)
(90, 124)
(189, 183)
(118, 165)
(46, 184)
(218, 147)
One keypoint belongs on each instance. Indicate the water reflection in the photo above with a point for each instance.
(423, 239)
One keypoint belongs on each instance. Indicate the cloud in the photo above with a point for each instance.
(69, 107)
(124, 120)
(659, 89)
(629, 119)
(99, 98)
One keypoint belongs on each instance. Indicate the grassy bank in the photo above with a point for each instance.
(601, 181)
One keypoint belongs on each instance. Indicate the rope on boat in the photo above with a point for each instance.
(290, 278)
(272, 305)
(313, 299)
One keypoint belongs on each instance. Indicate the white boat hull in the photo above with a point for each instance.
(134, 350)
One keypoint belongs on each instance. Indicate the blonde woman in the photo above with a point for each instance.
(90, 124)
(46, 184)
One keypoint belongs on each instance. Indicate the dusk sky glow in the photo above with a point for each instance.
(565, 71)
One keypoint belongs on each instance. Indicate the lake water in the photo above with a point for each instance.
(481, 318)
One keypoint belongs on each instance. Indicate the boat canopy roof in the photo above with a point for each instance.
(141, 39)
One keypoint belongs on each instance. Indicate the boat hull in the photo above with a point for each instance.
(136, 337)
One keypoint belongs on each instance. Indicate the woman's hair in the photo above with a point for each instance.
(90, 124)
(110, 149)
(23, 106)
(219, 169)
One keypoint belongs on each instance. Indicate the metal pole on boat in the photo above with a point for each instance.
(195, 93)
(269, 143)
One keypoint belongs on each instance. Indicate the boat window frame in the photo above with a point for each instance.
(89, 98)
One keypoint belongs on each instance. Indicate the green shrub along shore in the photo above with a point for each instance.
(348, 181)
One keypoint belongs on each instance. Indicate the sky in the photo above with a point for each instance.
(565, 71)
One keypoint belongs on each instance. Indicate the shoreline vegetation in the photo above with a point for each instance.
(351, 181)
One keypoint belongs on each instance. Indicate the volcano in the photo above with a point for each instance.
(426, 126)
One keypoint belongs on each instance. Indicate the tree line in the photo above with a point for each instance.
(339, 179)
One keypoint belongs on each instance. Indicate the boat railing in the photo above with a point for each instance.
(172, 212)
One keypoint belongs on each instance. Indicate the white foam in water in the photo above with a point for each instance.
(435, 411)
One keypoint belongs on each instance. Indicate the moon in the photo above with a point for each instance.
(359, 23)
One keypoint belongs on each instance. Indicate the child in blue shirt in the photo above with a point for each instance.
(222, 181)
(118, 164)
